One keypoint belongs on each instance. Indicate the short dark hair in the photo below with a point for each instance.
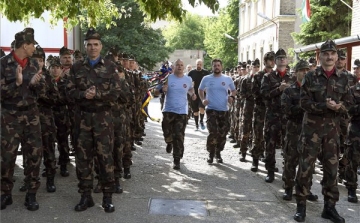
(216, 60)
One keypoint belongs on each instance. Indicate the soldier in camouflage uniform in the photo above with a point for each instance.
(21, 83)
(324, 96)
(272, 86)
(290, 104)
(216, 101)
(312, 63)
(353, 139)
(248, 109)
(236, 109)
(94, 85)
(258, 146)
(77, 56)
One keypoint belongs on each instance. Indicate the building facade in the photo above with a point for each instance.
(266, 25)
(355, 28)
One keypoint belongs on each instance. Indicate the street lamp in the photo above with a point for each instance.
(230, 37)
(268, 19)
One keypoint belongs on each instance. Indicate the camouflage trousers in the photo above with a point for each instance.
(119, 119)
(173, 126)
(218, 125)
(139, 118)
(129, 141)
(319, 133)
(274, 131)
(232, 120)
(246, 127)
(291, 154)
(344, 123)
(258, 145)
(240, 129)
(20, 127)
(353, 154)
(62, 122)
(237, 120)
(48, 134)
(96, 135)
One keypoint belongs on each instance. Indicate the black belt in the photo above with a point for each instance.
(95, 110)
(16, 108)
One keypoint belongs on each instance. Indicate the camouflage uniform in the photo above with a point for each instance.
(96, 130)
(218, 125)
(20, 122)
(238, 107)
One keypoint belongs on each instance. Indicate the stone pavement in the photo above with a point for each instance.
(227, 192)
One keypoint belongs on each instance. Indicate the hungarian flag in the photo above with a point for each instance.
(306, 11)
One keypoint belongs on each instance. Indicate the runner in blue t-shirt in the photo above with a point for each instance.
(175, 110)
(216, 101)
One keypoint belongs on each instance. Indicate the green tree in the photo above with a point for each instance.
(216, 44)
(93, 12)
(330, 19)
(133, 36)
(188, 34)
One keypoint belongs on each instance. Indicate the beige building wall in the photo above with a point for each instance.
(355, 28)
(188, 56)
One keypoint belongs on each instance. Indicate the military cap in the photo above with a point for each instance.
(249, 62)
(55, 61)
(120, 55)
(92, 34)
(77, 54)
(312, 61)
(25, 36)
(269, 56)
(256, 62)
(341, 54)
(356, 63)
(302, 64)
(131, 57)
(125, 56)
(112, 51)
(329, 45)
(39, 53)
(280, 53)
(231, 71)
(227, 69)
(49, 58)
(2, 53)
(64, 51)
(243, 65)
(239, 64)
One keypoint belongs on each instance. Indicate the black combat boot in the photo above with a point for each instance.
(270, 177)
(6, 199)
(352, 196)
(30, 202)
(218, 157)
(139, 143)
(300, 212)
(63, 170)
(330, 213)
(118, 188)
(98, 187)
(237, 145)
(287, 196)
(312, 197)
(127, 174)
(107, 203)
(86, 201)
(169, 147)
(233, 141)
(176, 165)
(140, 139)
(243, 157)
(255, 164)
(23, 187)
(50, 185)
(210, 160)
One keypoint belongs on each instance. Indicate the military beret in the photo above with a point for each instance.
(280, 53)
(2, 53)
(64, 51)
(329, 45)
(92, 34)
(131, 57)
(341, 54)
(269, 56)
(25, 36)
(39, 53)
(55, 61)
(312, 61)
(256, 62)
(302, 64)
(356, 63)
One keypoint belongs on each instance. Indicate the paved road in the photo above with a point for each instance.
(229, 192)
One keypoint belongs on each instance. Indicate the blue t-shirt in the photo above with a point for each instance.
(217, 91)
(176, 96)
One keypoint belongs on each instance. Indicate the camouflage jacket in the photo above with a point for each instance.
(354, 110)
(270, 90)
(51, 94)
(103, 76)
(316, 87)
(290, 103)
(124, 97)
(256, 85)
(245, 89)
(25, 94)
(131, 83)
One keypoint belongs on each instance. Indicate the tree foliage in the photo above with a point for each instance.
(330, 19)
(133, 36)
(216, 44)
(93, 12)
(188, 34)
